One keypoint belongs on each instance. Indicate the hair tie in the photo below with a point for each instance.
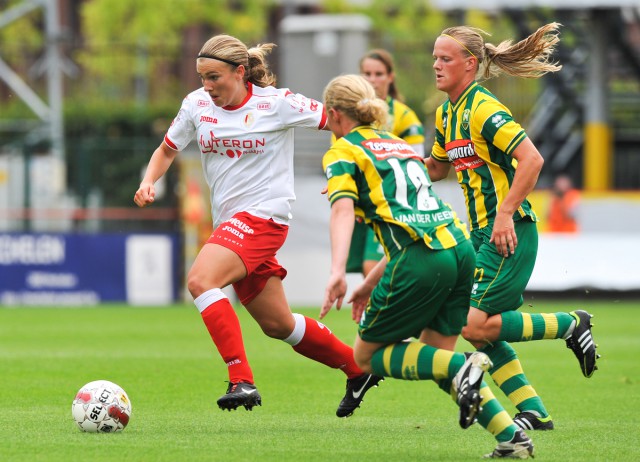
(461, 44)
(364, 101)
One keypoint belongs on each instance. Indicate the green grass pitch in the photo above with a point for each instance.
(164, 359)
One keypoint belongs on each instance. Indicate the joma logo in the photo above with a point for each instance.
(211, 120)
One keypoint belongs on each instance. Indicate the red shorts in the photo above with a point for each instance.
(256, 241)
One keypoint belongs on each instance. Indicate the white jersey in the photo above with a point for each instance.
(247, 150)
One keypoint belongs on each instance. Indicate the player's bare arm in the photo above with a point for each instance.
(360, 296)
(529, 165)
(341, 229)
(159, 163)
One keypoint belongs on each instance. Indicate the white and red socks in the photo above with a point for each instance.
(314, 340)
(224, 327)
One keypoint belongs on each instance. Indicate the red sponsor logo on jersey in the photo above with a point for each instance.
(211, 120)
(462, 155)
(313, 105)
(384, 149)
(203, 103)
(264, 106)
(232, 148)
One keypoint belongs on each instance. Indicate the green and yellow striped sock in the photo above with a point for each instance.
(507, 373)
(417, 361)
(493, 417)
(523, 327)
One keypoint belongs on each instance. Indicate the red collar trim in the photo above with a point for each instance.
(244, 101)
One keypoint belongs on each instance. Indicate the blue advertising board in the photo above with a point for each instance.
(86, 269)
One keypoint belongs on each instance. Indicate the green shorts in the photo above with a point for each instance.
(499, 282)
(364, 246)
(420, 288)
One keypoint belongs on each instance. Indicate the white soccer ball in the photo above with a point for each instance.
(101, 406)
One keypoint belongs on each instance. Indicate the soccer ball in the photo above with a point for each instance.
(101, 406)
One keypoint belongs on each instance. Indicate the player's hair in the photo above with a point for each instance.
(235, 53)
(356, 98)
(385, 58)
(529, 58)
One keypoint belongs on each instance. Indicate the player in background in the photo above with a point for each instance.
(497, 166)
(244, 129)
(424, 281)
(377, 67)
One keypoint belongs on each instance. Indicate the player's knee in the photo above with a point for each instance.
(274, 328)
(195, 285)
(475, 335)
(472, 333)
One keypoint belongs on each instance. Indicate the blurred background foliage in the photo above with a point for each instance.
(129, 42)
(128, 64)
(130, 54)
(134, 57)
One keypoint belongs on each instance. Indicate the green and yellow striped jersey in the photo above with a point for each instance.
(477, 135)
(403, 122)
(391, 189)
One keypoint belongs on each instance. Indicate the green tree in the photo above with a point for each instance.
(142, 42)
(408, 30)
(22, 38)
(22, 44)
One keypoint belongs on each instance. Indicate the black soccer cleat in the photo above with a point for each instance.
(356, 389)
(466, 385)
(518, 447)
(581, 342)
(529, 421)
(240, 394)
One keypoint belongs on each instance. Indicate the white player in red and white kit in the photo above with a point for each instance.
(255, 136)
(244, 128)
